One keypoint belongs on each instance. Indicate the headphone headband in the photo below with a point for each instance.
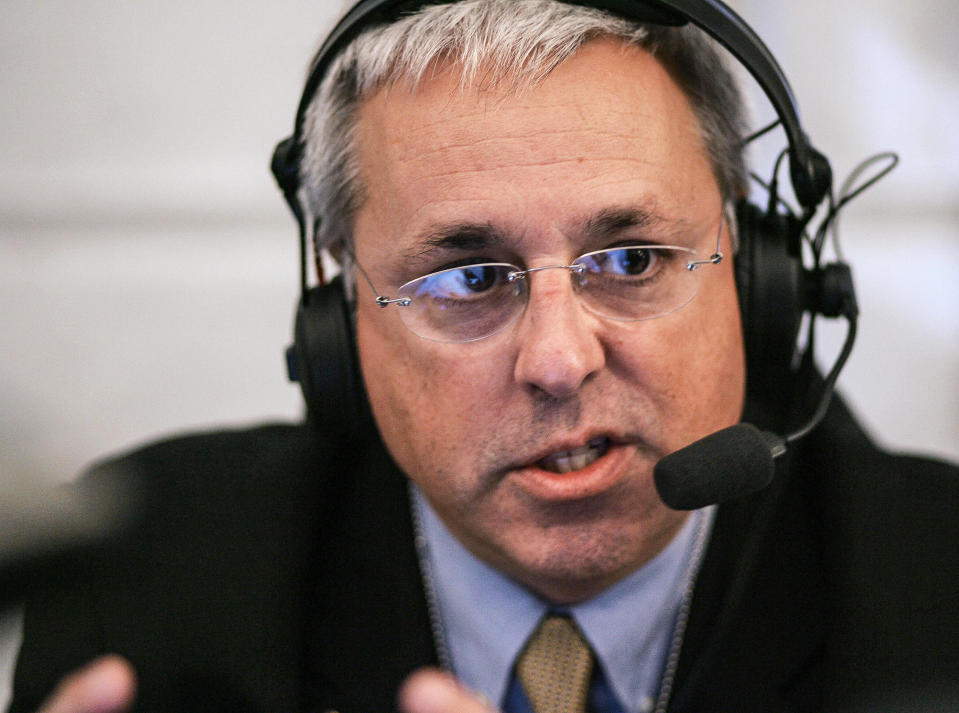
(810, 173)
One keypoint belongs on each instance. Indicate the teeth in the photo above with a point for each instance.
(576, 459)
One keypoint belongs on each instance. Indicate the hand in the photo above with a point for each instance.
(433, 691)
(106, 685)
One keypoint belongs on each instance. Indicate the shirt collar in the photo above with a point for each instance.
(485, 617)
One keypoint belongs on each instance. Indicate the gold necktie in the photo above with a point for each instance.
(555, 666)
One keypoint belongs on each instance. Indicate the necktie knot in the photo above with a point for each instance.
(555, 667)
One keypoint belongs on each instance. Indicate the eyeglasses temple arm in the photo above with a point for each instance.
(716, 257)
(381, 300)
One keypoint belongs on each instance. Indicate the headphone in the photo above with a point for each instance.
(774, 288)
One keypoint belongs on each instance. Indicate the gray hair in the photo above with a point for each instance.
(493, 42)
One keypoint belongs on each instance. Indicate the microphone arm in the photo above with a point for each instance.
(848, 308)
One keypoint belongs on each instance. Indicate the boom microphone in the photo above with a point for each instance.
(730, 463)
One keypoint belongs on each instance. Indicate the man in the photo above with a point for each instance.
(549, 186)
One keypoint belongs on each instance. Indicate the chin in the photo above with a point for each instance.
(573, 562)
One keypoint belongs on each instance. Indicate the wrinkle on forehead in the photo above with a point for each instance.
(469, 120)
(526, 138)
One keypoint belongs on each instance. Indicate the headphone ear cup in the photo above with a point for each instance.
(324, 360)
(769, 279)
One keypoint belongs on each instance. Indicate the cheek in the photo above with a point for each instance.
(424, 395)
(691, 365)
(714, 359)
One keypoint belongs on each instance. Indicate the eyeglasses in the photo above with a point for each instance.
(626, 284)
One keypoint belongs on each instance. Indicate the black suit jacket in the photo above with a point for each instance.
(272, 570)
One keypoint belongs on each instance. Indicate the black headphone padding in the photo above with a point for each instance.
(324, 360)
(771, 283)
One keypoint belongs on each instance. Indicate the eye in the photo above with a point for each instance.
(465, 282)
(631, 261)
(478, 277)
(623, 262)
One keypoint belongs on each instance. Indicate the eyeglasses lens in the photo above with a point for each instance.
(463, 304)
(636, 283)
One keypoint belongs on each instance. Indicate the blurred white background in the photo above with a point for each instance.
(148, 264)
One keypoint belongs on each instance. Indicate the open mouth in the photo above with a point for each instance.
(576, 459)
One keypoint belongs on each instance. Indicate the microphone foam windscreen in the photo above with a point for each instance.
(728, 464)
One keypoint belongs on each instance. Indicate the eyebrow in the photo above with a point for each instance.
(466, 236)
(457, 236)
(614, 220)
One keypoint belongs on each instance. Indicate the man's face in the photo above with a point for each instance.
(606, 151)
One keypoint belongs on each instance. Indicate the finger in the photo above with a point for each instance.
(107, 685)
(433, 691)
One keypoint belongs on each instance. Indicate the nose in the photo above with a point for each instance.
(559, 343)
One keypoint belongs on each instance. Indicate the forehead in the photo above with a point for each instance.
(607, 130)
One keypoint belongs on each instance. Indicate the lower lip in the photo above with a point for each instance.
(596, 478)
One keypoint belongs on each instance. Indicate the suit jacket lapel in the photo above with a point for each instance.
(757, 625)
(367, 624)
